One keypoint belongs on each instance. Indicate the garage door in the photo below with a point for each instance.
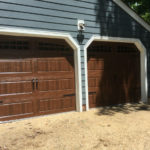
(113, 74)
(36, 77)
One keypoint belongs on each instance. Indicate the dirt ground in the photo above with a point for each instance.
(124, 127)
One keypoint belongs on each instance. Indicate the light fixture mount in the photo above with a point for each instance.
(81, 25)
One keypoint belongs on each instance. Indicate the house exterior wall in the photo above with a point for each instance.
(102, 17)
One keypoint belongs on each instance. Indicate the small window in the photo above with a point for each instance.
(14, 45)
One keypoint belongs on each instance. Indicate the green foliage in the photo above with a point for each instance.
(142, 7)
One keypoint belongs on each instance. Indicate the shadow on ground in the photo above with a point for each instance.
(123, 108)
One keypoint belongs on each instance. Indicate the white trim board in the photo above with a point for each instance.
(143, 61)
(54, 35)
(132, 14)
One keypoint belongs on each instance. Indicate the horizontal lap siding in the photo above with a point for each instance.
(57, 17)
(102, 17)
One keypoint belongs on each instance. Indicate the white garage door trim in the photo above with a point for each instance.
(54, 35)
(143, 61)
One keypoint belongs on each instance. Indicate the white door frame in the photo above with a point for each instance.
(143, 62)
(54, 35)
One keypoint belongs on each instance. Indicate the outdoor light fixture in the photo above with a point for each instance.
(81, 25)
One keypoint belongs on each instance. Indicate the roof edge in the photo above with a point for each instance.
(132, 14)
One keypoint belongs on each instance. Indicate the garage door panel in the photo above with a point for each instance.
(100, 80)
(95, 100)
(97, 73)
(47, 85)
(113, 73)
(13, 88)
(51, 64)
(95, 82)
(96, 64)
(16, 105)
(15, 66)
(56, 79)
(92, 82)
(59, 84)
(55, 75)
(56, 104)
(54, 94)
(12, 48)
(100, 96)
(93, 89)
(99, 64)
(92, 100)
(15, 109)
(36, 77)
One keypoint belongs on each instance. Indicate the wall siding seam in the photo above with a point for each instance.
(48, 8)
(45, 1)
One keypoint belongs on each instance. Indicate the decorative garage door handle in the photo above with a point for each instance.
(33, 87)
(35, 84)
(1, 102)
(69, 95)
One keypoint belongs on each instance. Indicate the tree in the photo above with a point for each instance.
(142, 7)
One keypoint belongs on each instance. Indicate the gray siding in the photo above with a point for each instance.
(102, 17)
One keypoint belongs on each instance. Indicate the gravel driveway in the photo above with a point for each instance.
(125, 127)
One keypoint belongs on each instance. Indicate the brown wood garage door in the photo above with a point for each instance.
(36, 77)
(113, 74)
